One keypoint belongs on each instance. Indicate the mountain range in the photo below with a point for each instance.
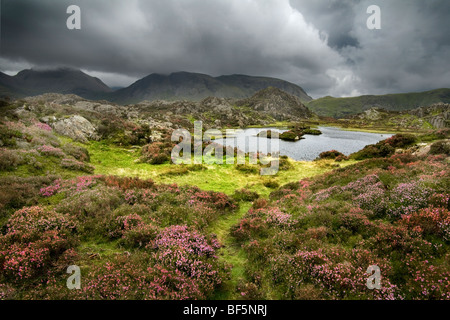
(176, 86)
(197, 87)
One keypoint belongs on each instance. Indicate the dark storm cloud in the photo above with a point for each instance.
(323, 45)
(335, 17)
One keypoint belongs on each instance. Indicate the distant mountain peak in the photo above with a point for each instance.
(65, 80)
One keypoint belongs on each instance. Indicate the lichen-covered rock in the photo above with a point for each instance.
(438, 115)
(77, 128)
(422, 150)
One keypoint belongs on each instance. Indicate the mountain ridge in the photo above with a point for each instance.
(175, 86)
(197, 86)
(32, 82)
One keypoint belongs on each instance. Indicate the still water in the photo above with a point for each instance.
(309, 148)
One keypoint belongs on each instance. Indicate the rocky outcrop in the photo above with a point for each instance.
(77, 128)
(438, 115)
(373, 114)
(277, 104)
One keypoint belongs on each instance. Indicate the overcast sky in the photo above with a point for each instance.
(322, 45)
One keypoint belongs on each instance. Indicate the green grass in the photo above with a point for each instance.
(231, 253)
(112, 160)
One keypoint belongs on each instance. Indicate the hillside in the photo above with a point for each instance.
(265, 107)
(435, 116)
(343, 107)
(196, 87)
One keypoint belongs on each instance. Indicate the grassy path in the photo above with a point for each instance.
(232, 253)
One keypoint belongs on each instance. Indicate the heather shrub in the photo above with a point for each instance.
(430, 221)
(121, 224)
(122, 132)
(379, 150)
(261, 222)
(368, 192)
(159, 159)
(341, 158)
(397, 241)
(28, 223)
(356, 221)
(278, 219)
(126, 183)
(401, 140)
(50, 151)
(139, 278)
(249, 291)
(271, 184)
(92, 202)
(245, 195)
(247, 168)
(9, 159)
(326, 247)
(333, 154)
(425, 280)
(16, 192)
(197, 215)
(217, 200)
(79, 153)
(139, 236)
(374, 200)
(43, 126)
(35, 238)
(260, 203)
(440, 147)
(284, 164)
(192, 254)
(93, 208)
(251, 226)
(440, 200)
(329, 273)
(72, 164)
(435, 135)
(384, 148)
(408, 198)
(9, 136)
(156, 153)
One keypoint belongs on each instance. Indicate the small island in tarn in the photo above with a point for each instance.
(294, 134)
